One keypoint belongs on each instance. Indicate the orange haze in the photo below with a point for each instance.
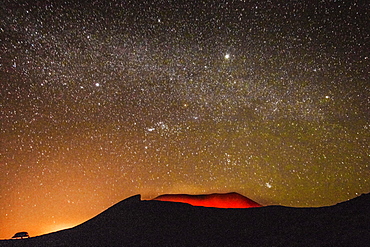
(229, 200)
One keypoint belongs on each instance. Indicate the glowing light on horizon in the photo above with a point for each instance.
(229, 200)
(57, 227)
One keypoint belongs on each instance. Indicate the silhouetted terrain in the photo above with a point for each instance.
(133, 222)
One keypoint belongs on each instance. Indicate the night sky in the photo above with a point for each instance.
(101, 101)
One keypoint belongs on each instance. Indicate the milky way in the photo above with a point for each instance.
(100, 101)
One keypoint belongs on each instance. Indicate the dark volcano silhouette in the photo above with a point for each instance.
(228, 200)
(133, 222)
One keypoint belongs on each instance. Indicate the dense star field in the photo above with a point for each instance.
(100, 101)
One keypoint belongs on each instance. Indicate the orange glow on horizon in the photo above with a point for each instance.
(35, 229)
(229, 200)
(58, 227)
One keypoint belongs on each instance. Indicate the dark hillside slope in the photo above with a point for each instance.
(133, 222)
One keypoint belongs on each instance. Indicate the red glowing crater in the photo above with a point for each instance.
(228, 200)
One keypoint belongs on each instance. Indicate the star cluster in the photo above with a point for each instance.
(103, 100)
